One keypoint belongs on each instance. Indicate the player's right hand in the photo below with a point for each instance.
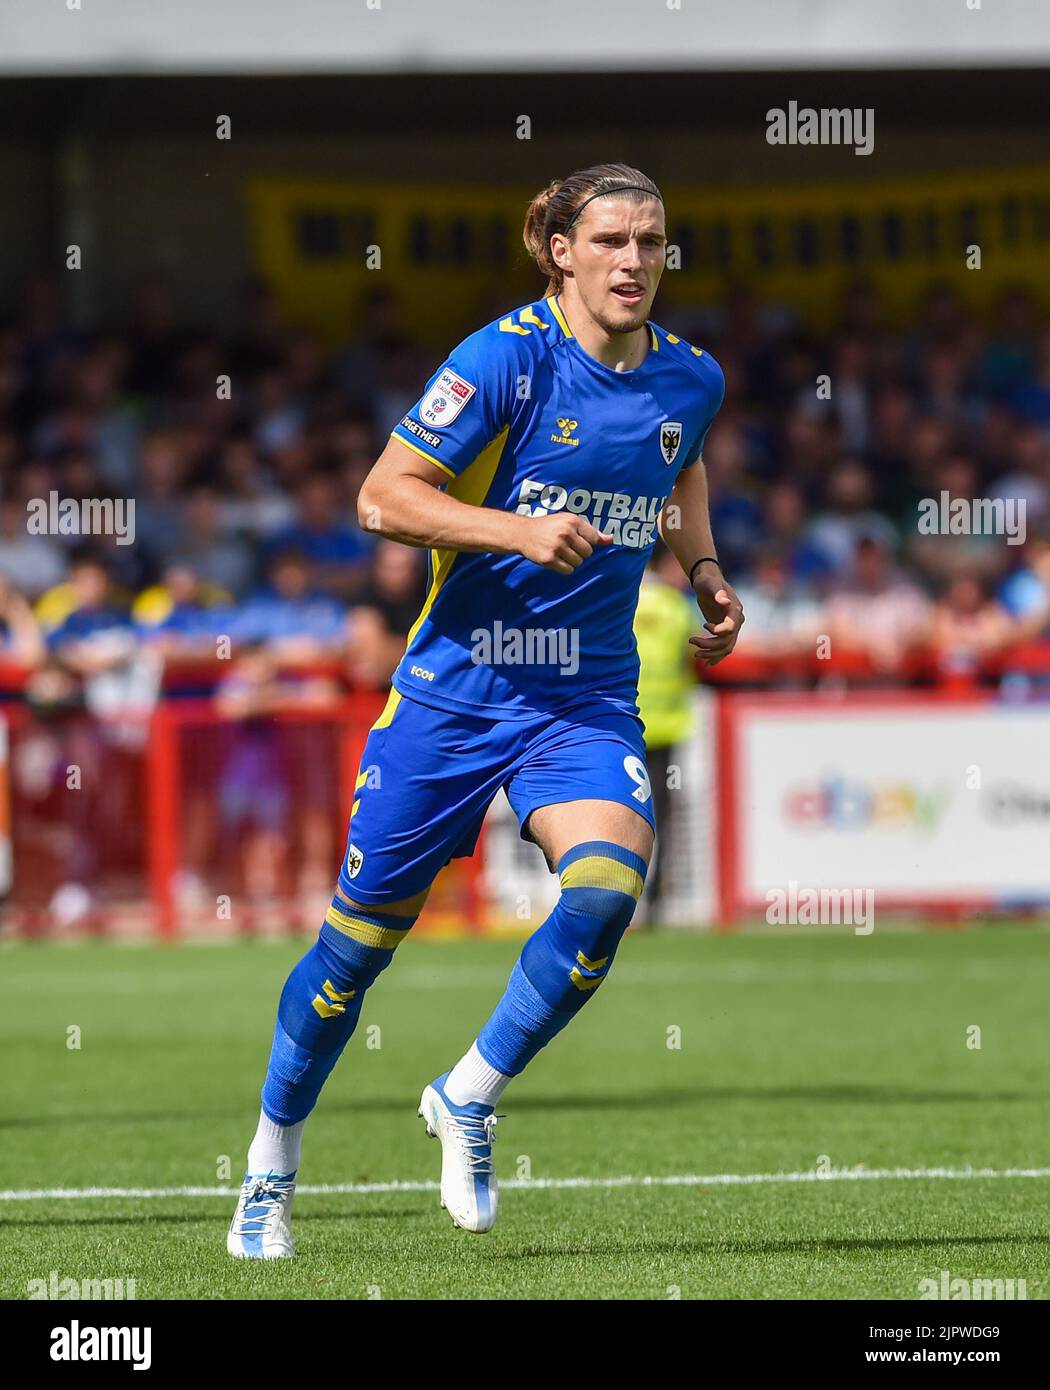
(560, 542)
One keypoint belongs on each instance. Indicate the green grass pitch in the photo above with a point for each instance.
(796, 1051)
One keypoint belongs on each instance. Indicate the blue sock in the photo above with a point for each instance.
(321, 1003)
(566, 959)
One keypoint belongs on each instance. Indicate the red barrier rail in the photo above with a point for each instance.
(185, 797)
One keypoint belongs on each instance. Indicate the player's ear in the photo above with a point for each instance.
(561, 251)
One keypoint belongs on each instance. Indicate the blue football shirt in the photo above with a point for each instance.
(521, 418)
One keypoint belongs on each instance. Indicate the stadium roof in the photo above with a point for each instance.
(46, 37)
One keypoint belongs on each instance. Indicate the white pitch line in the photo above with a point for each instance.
(523, 1185)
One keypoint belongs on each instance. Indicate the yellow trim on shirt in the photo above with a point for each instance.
(421, 452)
(555, 309)
(470, 486)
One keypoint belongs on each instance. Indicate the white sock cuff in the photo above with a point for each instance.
(472, 1079)
(275, 1148)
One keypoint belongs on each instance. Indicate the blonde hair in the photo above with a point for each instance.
(554, 209)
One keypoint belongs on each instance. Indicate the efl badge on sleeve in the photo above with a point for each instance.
(670, 440)
(445, 399)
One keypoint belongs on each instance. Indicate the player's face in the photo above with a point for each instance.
(616, 258)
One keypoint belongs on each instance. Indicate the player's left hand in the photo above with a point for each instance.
(724, 614)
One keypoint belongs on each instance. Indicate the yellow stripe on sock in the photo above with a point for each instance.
(597, 871)
(367, 933)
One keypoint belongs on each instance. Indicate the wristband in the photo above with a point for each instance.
(703, 558)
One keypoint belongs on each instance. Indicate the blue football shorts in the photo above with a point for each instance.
(427, 777)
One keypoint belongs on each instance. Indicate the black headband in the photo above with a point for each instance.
(605, 193)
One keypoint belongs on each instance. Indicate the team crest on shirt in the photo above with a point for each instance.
(445, 399)
(670, 440)
(354, 859)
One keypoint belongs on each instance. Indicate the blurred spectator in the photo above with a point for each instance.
(848, 518)
(1031, 399)
(33, 563)
(1028, 474)
(1025, 594)
(21, 640)
(735, 510)
(252, 505)
(1009, 357)
(880, 612)
(784, 521)
(270, 765)
(382, 373)
(942, 556)
(336, 552)
(782, 616)
(182, 617)
(159, 509)
(151, 337)
(85, 607)
(279, 419)
(967, 624)
(386, 610)
(258, 335)
(219, 559)
(893, 421)
(290, 615)
(355, 451)
(850, 398)
(59, 833)
(89, 630)
(665, 619)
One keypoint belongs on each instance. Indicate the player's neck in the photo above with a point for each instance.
(623, 352)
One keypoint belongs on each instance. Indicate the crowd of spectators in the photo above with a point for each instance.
(828, 447)
(245, 520)
(245, 529)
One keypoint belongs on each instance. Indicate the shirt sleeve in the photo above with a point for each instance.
(716, 390)
(466, 404)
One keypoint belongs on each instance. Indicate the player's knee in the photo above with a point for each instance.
(361, 941)
(570, 955)
(324, 993)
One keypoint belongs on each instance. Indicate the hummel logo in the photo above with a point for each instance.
(566, 426)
